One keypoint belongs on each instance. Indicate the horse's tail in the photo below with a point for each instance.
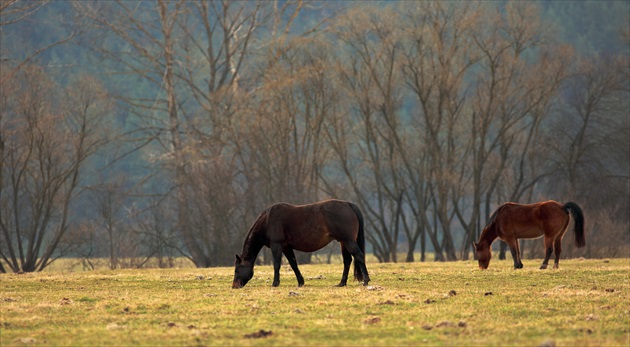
(358, 275)
(578, 218)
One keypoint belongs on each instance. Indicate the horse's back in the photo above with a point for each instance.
(539, 210)
(310, 227)
(336, 215)
(531, 220)
(327, 208)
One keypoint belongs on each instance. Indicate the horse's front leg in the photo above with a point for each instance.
(548, 251)
(516, 253)
(293, 262)
(276, 253)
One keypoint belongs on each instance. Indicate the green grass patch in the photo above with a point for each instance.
(585, 303)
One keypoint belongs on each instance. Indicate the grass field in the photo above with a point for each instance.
(584, 303)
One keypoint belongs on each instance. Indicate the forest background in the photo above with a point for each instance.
(143, 131)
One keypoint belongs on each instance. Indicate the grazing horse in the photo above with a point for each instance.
(511, 222)
(307, 228)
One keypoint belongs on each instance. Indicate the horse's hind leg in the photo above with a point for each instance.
(502, 248)
(557, 245)
(347, 260)
(293, 262)
(548, 250)
(359, 259)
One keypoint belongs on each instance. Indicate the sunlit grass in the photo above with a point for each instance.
(585, 302)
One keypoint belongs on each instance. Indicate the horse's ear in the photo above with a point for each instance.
(474, 245)
(238, 259)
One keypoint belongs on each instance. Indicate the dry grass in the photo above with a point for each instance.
(584, 303)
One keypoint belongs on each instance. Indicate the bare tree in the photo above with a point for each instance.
(47, 135)
(477, 95)
(195, 55)
(511, 98)
(591, 150)
(156, 230)
(251, 140)
(366, 125)
(13, 12)
(108, 201)
(436, 64)
(426, 114)
(277, 138)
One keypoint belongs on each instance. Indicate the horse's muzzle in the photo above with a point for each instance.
(237, 285)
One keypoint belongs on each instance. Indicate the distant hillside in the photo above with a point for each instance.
(589, 26)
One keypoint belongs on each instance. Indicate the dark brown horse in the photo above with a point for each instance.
(307, 228)
(511, 222)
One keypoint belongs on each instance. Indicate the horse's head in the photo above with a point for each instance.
(483, 254)
(243, 272)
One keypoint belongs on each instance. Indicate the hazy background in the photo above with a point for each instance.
(143, 131)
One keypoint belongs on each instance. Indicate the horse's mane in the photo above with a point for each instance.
(493, 218)
(250, 238)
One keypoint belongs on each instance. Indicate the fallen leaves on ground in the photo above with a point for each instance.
(442, 324)
(372, 320)
(591, 316)
(260, 333)
(115, 326)
(548, 343)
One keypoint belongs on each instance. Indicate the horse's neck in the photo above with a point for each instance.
(251, 248)
(253, 244)
(488, 235)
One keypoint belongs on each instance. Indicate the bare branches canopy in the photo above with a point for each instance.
(427, 114)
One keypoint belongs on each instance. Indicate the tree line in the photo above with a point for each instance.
(190, 117)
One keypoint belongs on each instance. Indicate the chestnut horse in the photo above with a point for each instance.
(307, 228)
(511, 222)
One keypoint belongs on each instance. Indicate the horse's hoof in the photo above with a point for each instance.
(340, 285)
(543, 267)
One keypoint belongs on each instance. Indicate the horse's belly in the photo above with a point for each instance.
(529, 234)
(312, 243)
